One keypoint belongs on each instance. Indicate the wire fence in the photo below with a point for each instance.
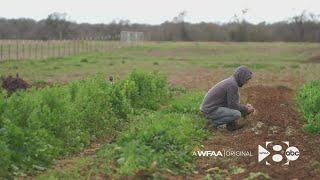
(40, 49)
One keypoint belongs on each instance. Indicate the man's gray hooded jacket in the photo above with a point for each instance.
(226, 92)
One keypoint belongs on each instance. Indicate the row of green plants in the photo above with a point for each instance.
(158, 142)
(39, 126)
(309, 102)
(155, 144)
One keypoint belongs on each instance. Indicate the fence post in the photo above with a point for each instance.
(59, 48)
(45, 49)
(30, 50)
(22, 49)
(54, 48)
(74, 47)
(1, 52)
(17, 49)
(64, 47)
(68, 48)
(81, 44)
(40, 49)
(78, 44)
(87, 45)
(9, 50)
(36, 50)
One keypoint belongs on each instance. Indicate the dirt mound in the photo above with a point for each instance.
(315, 59)
(277, 120)
(12, 84)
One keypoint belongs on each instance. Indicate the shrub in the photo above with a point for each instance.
(146, 90)
(84, 60)
(309, 102)
(12, 84)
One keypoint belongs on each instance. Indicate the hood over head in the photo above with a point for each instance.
(242, 74)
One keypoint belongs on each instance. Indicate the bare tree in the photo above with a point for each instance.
(304, 27)
(58, 25)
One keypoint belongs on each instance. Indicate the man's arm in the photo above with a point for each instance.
(233, 100)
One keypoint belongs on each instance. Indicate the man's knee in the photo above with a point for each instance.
(237, 114)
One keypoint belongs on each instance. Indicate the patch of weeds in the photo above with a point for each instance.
(282, 67)
(217, 173)
(84, 60)
(251, 66)
(237, 170)
(257, 175)
(314, 166)
(177, 90)
(111, 63)
(210, 65)
(93, 61)
(14, 67)
(156, 63)
(187, 103)
(234, 65)
(257, 66)
(77, 65)
(294, 66)
(56, 67)
(39, 81)
(123, 61)
(213, 66)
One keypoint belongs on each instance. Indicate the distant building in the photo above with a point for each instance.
(131, 36)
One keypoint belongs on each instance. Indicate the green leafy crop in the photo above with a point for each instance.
(309, 101)
(38, 126)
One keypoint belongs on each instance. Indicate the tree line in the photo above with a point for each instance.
(301, 28)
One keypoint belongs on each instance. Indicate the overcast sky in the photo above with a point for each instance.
(156, 12)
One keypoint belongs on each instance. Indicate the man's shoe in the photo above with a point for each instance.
(211, 126)
(234, 126)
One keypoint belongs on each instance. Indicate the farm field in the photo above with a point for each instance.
(290, 63)
(280, 70)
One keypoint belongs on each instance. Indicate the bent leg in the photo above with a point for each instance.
(224, 115)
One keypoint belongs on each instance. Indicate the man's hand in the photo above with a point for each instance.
(250, 108)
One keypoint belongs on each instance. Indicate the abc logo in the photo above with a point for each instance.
(291, 153)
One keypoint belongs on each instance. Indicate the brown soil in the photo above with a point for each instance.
(180, 52)
(276, 113)
(196, 78)
(315, 59)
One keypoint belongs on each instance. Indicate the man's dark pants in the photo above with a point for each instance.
(223, 115)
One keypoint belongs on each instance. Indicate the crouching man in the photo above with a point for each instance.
(221, 104)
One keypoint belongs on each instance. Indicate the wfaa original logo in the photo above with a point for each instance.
(280, 154)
